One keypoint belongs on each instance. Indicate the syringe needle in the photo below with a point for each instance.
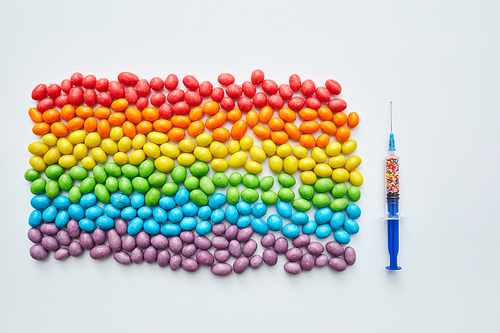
(391, 116)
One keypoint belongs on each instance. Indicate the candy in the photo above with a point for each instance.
(270, 257)
(337, 264)
(221, 269)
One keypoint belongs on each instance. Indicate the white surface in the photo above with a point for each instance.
(438, 62)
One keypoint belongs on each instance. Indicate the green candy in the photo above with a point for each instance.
(269, 197)
(323, 185)
(102, 193)
(179, 174)
(207, 185)
(38, 186)
(191, 182)
(232, 195)
(321, 200)
(31, 174)
(75, 194)
(146, 168)
(235, 178)
(199, 169)
(286, 180)
(112, 184)
(251, 180)
(125, 185)
(354, 194)
(54, 171)
(198, 197)
(170, 189)
(78, 173)
(286, 194)
(220, 179)
(249, 195)
(87, 185)
(157, 179)
(52, 189)
(113, 169)
(339, 190)
(152, 197)
(339, 204)
(140, 184)
(100, 174)
(65, 182)
(130, 171)
(306, 192)
(266, 183)
(302, 205)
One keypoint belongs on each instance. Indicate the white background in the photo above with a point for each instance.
(438, 61)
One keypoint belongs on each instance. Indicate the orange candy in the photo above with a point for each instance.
(35, 115)
(308, 141)
(103, 128)
(276, 124)
(210, 108)
(328, 127)
(352, 120)
(221, 134)
(59, 129)
(323, 140)
(195, 128)
(261, 132)
(119, 105)
(234, 115)
(162, 125)
(265, 114)
(239, 129)
(279, 137)
(41, 129)
(116, 119)
(292, 130)
(217, 120)
(340, 119)
(90, 124)
(196, 113)
(133, 115)
(150, 114)
(308, 127)
(144, 127)
(67, 112)
(102, 112)
(307, 114)
(75, 124)
(176, 134)
(343, 134)
(180, 121)
(84, 111)
(325, 113)
(287, 115)
(51, 116)
(129, 129)
(252, 118)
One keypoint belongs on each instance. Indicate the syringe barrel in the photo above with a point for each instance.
(392, 176)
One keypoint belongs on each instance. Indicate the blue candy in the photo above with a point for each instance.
(175, 215)
(86, 225)
(62, 219)
(88, 200)
(160, 215)
(217, 216)
(259, 226)
(323, 231)
(244, 208)
(351, 226)
(111, 211)
(259, 210)
(231, 214)
(40, 202)
(300, 218)
(120, 201)
(204, 212)
(181, 197)
(170, 229)
(290, 230)
(93, 212)
(323, 215)
(145, 212)
(105, 222)
(151, 227)
(353, 211)
(337, 220)
(203, 227)
(190, 209)
(76, 212)
(49, 214)
(128, 213)
(188, 223)
(61, 202)
(310, 227)
(244, 221)
(217, 200)
(137, 200)
(167, 203)
(135, 226)
(284, 209)
(274, 222)
(35, 218)
(342, 237)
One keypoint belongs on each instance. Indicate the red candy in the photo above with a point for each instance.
(101, 85)
(53, 90)
(296, 103)
(217, 94)
(181, 108)
(76, 79)
(175, 96)
(234, 91)
(225, 79)
(337, 105)
(39, 92)
(205, 88)
(156, 84)
(245, 104)
(76, 96)
(104, 98)
(257, 77)
(333, 86)
(171, 82)
(294, 82)
(259, 100)
(275, 101)
(128, 78)
(193, 98)
(166, 111)
(89, 81)
(90, 97)
(142, 103)
(248, 89)
(116, 89)
(131, 95)
(323, 94)
(270, 87)
(158, 99)
(66, 86)
(62, 100)
(227, 103)
(285, 91)
(142, 87)
(308, 88)
(45, 104)
(190, 82)
(313, 103)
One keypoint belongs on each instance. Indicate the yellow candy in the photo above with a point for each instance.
(306, 164)
(49, 139)
(138, 141)
(152, 150)
(164, 164)
(349, 147)
(284, 150)
(218, 149)
(80, 151)
(64, 146)
(318, 155)
(258, 154)
(137, 157)
(120, 158)
(88, 162)
(186, 145)
(77, 137)
(246, 142)
(276, 164)
(67, 161)
(186, 159)
(38, 148)
(204, 139)
(308, 177)
(253, 167)
(170, 150)
(356, 178)
(290, 164)
(51, 156)
(238, 159)
(323, 170)
(92, 140)
(157, 137)
(269, 147)
(109, 146)
(116, 133)
(233, 146)
(37, 163)
(300, 151)
(203, 154)
(352, 163)
(219, 165)
(336, 161)
(99, 155)
(125, 144)
(340, 175)
(333, 149)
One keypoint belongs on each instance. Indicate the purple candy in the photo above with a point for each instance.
(256, 261)
(50, 243)
(175, 245)
(350, 255)
(121, 226)
(143, 240)
(231, 232)
(307, 262)
(219, 242)
(35, 235)
(218, 229)
(61, 254)
(205, 258)
(99, 236)
(321, 260)
(302, 240)
(270, 257)
(75, 249)
(315, 248)
(73, 229)
(188, 250)
(100, 252)
(292, 268)
(150, 254)
(49, 229)
(160, 242)
(163, 258)
(63, 238)
(267, 240)
(122, 258)
(175, 262)
(187, 237)
(281, 245)
(294, 254)
(221, 255)
(244, 234)
(202, 242)
(221, 269)
(235, 248)
(128, 243)
(38, 252)
(240, 265)
(334, 248)
(137, 255)
(86, 241)
(114, 240)
(190, 265)
(249, 248)
(338, 264)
